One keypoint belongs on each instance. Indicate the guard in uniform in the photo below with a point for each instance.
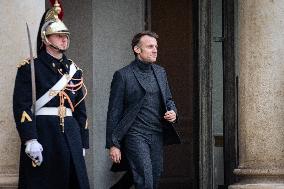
(54, 136)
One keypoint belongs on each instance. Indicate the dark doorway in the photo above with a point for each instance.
(196, 46)
(173, 22)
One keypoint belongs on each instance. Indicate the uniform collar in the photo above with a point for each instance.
(53, 63)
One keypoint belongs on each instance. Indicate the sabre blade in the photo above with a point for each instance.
(32, 72)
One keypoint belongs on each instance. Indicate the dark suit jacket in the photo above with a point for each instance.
(126, 98)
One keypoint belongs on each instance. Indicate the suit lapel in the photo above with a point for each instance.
(161, 82)
(159, 77)
(137, 75)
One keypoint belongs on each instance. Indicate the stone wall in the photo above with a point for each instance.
(14, 48)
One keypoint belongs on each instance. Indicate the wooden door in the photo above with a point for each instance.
(173, 22)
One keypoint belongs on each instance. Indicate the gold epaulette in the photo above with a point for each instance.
(24, 62)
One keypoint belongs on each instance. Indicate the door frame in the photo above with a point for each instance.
(230, 94)
(203, 56)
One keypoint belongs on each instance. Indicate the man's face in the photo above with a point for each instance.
(59, 40)
(147, 49)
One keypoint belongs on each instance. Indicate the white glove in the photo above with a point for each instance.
(84, 152)
(33, 150)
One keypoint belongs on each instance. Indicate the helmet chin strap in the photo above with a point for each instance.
(55, 47)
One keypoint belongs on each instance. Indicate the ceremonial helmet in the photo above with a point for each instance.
(52, 24)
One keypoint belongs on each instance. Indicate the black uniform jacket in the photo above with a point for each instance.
(60, 150)
(126, 98)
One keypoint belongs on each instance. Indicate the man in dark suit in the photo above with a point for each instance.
(141, 114)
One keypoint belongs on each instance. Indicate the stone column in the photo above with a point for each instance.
(14, 48)
(261, 95)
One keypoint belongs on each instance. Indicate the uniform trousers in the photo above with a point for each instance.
(144, 153)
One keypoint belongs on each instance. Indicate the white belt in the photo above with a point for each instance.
(52, 111)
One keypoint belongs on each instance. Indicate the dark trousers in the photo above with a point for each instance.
(125, 182)
(144, 153)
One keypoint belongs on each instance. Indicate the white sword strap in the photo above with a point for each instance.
(51, 93)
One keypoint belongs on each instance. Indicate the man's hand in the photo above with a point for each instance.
(115, 154)
(33, 150)
(170, 116)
